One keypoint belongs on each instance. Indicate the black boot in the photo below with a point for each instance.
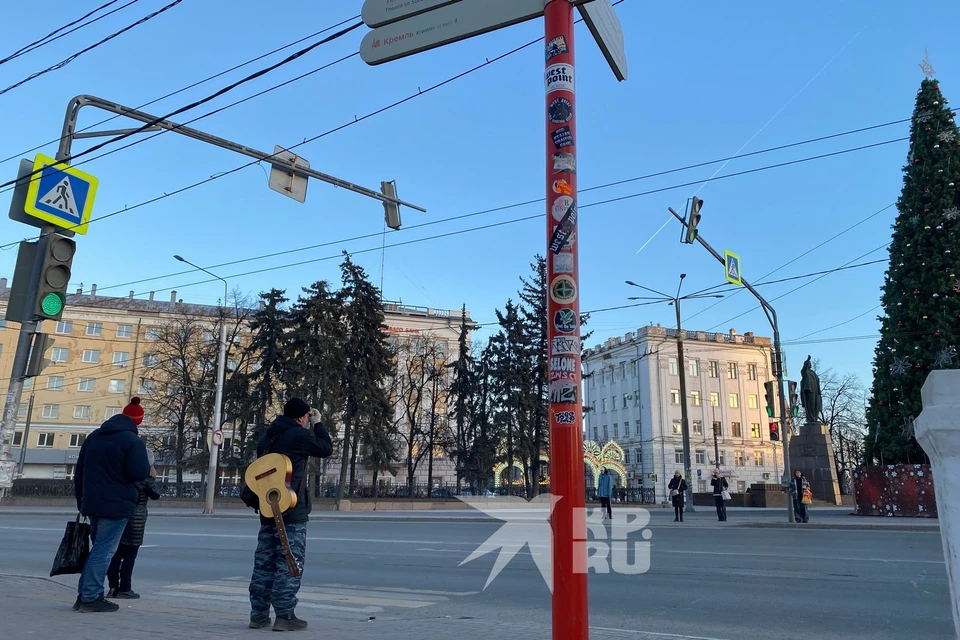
(289, 622)
(98, 606)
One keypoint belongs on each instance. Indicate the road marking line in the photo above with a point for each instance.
(776, 555)
(655, 634)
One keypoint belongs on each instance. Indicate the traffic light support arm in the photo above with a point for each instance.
(776, 361)
(69, 134)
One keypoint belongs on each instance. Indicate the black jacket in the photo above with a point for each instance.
(719, 484)
(111, 461)
(133, 534)
(298, 444)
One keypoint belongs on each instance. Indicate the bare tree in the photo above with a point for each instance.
(843, 413)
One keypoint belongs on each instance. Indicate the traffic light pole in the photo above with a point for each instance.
(776, 362)
(18, 373)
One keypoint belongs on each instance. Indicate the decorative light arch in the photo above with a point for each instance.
(610, 456)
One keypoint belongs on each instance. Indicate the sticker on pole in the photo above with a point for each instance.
(559, 77)
(564, 230)
(732, 265)
(60, 194)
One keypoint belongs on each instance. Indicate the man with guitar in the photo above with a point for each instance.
(281, 552)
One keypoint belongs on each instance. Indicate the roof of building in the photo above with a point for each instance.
(657, 332)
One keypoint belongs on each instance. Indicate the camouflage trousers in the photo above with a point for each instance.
(271, 583)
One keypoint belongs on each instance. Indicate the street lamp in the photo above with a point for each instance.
(684, 420)
(218, 401)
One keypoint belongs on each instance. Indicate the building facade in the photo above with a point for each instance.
(632, 397)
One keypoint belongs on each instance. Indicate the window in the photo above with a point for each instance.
(758, 458)
(603, 405)
(59, 354)
(596, 436)
(606, 434)
(623, 370)
(626, 400)
(153, 333)
(94, 328)
(714, 369)
(616, 430)
(741, 486)
(698, 427)
(55, 383)
(636, 398)
(714, 399)
(738, 458)
(677, 428)
(207, 337)
(637, 425)
(117, 386)
(735, 430)
(87, 384)
(109, 412)
(639, 454)
(734, 400)
(626, 429)
(147, 387)
(755, 430)
(694, 367)
(151, 359)
(22, 410)
(91, 356)
(718, 429)
(28, 383)
(45, 439)
(674, 396)
(124, 330)
(672, 364)
(613, 403)
(65, 327)
(751, 372)
(695, 399)
(701, 456)
(121, 358)
(636, 368)
(678, 456)
(723, 458)
(18, 438)
(232, 364)
(80, 411)
(3, 323)
(752, 401)
(51, 411)
(732, 370)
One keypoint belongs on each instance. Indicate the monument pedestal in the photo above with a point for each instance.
(812, 453)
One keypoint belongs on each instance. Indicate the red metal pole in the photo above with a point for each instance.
(570, 619)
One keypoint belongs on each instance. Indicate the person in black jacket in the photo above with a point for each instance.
(120, 572)
(719, 484)
(678, 492)
(112, 460)
(271, 582)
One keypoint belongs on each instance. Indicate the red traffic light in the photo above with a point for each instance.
(774, 431)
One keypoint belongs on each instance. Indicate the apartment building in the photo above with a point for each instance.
(632, 395)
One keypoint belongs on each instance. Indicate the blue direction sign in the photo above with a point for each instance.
(62, 196)
(732, 264)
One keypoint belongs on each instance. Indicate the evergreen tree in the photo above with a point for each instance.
(533, 312)
(919, 328)
(269, 344)
(368, 363)
(462, 390)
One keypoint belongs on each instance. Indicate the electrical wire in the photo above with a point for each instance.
(73, 57)
(189, 86)
(47, 39)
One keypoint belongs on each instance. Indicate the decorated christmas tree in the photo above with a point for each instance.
(920, 326)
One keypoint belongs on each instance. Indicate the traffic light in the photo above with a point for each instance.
(774, 431)
(37, 363)
(792, 394)
(770, 397)
(54, 277)
(695, 205)
(391, 211)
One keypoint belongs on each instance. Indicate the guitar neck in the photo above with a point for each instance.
(282, 532)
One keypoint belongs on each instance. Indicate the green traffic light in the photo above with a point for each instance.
(769, 412)
(53, 303)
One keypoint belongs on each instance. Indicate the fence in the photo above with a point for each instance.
(895, 490)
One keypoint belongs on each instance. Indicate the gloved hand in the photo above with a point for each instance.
(314, 417)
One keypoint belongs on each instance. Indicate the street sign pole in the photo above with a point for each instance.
(570, 606)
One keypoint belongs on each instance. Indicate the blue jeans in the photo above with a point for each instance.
(105, 534)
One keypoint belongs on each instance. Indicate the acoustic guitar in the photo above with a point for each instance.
(269, 477)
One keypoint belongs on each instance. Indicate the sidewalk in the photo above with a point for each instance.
(41, 608)
(820, 518)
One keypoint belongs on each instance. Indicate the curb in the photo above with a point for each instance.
(845, 527)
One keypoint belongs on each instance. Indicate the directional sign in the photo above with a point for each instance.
(63, 195)
(451, 23)
(731, 262)
(283, 180)
(604, 24)
(376, 13)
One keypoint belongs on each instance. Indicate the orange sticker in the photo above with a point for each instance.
(562, 187)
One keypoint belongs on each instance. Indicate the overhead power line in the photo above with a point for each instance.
(76, 55)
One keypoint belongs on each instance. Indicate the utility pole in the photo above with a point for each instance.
(776, 356)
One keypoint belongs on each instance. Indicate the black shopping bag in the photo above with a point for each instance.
(74, 549)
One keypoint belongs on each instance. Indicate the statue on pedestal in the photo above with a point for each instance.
(810, 395)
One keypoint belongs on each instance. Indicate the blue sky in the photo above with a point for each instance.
(706, 80)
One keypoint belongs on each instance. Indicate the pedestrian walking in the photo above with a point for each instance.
(720, 494)
(271, 582)
(112, 460)
(802, 495)
(605, 491)
(120, 572)
(678, 492)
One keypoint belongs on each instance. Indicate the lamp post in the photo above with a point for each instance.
(218, 401)
(684, 420)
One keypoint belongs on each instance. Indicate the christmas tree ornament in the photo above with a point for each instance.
(936, 146)
(946, 136)
(927, 228)
(952, 213)
(945, 356)
(899, 366)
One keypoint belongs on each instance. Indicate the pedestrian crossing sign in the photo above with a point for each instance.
(731, 262)
(60, 194)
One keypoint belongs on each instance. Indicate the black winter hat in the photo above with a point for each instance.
(295, 408)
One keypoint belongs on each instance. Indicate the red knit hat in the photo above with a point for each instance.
(134, 411)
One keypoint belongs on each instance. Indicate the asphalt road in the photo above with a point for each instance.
(711, 582)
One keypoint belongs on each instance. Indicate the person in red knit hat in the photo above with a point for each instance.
(112, 462)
